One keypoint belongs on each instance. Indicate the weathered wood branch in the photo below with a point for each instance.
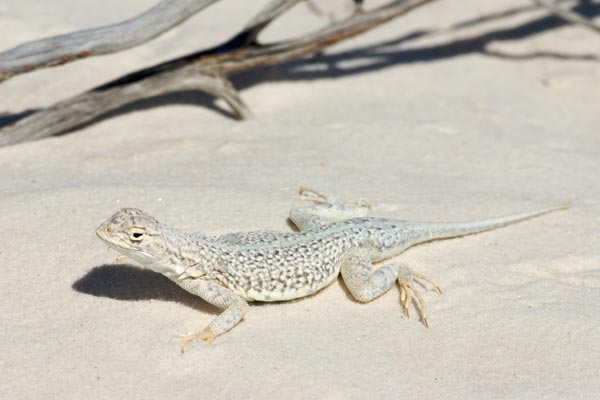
(77, 110)
(194, 71)
(568, 15)
(62, 49)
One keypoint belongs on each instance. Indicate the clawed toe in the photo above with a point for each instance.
(436, 287)
(363, 203)
(308, 194)
(119, 259)
(205, 335)
(408, 293)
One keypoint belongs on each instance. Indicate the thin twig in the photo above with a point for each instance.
(58, 50)
(233, 56)
(569, 16)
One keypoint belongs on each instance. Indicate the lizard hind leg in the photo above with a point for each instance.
(364, 283)
(325, 210)
(409, 293)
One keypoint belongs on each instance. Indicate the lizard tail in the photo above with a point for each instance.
(444, 230)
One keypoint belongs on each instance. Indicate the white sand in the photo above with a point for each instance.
(426, 136)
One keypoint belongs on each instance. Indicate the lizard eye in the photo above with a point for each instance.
(137, 235)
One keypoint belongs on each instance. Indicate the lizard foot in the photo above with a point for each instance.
(308, 194)
(205, 335)
(120, 259)
(409, 293)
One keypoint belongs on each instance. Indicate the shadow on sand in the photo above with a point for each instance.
(125, 282)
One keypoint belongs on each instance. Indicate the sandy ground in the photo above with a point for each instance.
(427, 128)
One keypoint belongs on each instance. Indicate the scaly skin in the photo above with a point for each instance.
(335, 237)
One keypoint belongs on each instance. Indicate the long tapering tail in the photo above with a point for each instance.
(444, 230)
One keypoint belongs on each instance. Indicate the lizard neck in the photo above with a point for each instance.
(190, 255)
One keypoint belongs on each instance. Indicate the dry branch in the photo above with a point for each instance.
(62, 49)
(205, 70)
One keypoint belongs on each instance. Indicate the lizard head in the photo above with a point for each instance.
(140, 237)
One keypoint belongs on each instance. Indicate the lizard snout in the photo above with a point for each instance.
(103, 230)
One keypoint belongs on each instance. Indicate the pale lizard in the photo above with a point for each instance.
(335, 237)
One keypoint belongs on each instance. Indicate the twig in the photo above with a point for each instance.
(568, 15)
(62, 49)
(190, 72)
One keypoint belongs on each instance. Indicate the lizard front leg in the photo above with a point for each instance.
(215, 294)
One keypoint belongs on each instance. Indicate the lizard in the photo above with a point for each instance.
(334, 238)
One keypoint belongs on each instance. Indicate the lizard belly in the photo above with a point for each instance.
(277, 285)
(284, 294)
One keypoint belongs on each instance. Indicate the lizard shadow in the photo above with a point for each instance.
(126, 282)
